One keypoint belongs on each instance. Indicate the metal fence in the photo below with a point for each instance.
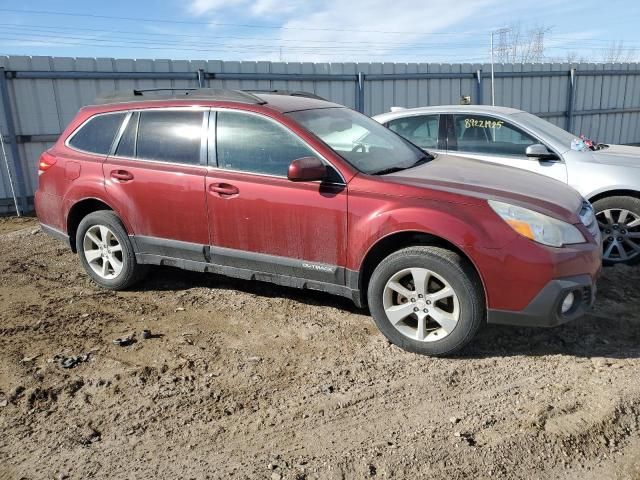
(40, 95)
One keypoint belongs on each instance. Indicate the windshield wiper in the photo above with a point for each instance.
(424, 159)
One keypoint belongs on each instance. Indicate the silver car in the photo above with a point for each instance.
(606, 175)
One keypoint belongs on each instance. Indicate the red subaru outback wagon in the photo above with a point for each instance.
(292, 189)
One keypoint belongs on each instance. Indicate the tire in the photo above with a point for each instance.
(121, 271)
(610, 211)
(446, 268)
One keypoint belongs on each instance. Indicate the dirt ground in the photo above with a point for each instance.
(250, 380)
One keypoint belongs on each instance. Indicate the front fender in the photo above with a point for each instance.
(468, 227)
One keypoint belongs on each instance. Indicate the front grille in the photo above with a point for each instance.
(588, 219)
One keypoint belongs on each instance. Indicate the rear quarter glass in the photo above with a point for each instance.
(96, 135)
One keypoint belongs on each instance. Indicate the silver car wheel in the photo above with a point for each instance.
(103, 252)
(620, 234)
(421, 304)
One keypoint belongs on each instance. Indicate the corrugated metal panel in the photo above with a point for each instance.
(44, 106)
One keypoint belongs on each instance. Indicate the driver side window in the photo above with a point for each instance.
(484, 134)
(249, 143)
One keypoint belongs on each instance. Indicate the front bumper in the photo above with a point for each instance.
(545, 308)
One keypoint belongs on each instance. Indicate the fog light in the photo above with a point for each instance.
(567, 303)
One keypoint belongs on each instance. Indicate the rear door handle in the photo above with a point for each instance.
(223, 189)
(122, 175)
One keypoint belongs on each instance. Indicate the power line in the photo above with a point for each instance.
(238, 25)
(49, 28)
(52, 34)
(235, 49)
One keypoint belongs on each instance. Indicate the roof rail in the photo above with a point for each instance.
(137, 95)
(290, 93)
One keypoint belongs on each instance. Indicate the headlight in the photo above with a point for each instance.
(536, 226)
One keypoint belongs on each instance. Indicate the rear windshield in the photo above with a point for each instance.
(364, 143)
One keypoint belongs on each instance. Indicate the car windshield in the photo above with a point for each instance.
(545, 129)
(363, 142)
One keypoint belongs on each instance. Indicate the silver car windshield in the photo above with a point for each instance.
(363, 142)
(545, 129)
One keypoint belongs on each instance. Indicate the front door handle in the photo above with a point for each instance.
(121, 175)
(223, 189)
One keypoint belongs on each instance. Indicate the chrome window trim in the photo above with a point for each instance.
(83, 124)
(267, 175)
(123, 127)
(212, 155)
(161, 162)
(204, 138)
(284, 127)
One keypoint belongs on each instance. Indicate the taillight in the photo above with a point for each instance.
(46, 162)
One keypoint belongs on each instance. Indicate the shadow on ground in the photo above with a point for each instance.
(594, 335)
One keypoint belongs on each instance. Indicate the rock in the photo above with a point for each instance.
(16, 392)
(29, 359)
(454, 420)
(72, 361)
(271, 466)
(4, 403)
(276, 476)
(327, 388)
(254, 359)
(125, 341)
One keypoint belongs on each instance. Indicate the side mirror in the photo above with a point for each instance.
(307, 169)
(540, 152)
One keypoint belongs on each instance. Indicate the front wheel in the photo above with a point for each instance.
(619, 222)
(426, 300)
(106, 253)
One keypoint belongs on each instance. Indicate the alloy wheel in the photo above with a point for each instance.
(620, 234)
(103, 252)
(421, 304)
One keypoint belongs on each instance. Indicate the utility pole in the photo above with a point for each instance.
(493, 91)
(503, 53)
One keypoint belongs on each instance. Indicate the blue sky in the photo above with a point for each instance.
(313, 30)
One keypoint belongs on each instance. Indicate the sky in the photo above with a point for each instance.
(446, 31)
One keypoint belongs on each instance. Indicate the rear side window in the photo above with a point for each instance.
(169, 136)
(249, 143)
(420, 130)
(96, 136)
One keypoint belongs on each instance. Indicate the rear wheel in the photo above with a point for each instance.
(106, 252)
(619, 222)
(426, 300)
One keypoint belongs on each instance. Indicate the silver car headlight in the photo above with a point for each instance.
(536, 226)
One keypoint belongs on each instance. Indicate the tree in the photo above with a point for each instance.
(617, 53)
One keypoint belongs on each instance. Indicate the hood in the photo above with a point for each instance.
(487, 181)
(623, 155)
